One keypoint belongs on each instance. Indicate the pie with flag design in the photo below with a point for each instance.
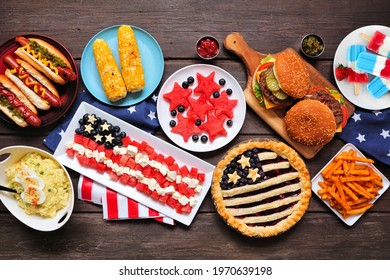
(267, 197)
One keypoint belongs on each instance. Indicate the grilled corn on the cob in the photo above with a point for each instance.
(111, 78)
(130, 59)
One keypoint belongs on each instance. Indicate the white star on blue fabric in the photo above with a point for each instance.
(154, 97)
(132, 109)
(377, 113)
(361, 138)
(61, 133)
(388, 154)
(356, 117)
(152, 115)
(385, 133)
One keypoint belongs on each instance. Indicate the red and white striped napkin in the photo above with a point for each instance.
(116, 206)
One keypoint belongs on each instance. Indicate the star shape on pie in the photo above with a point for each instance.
(186, 127)
(178, 96)
(234, 177)
(214, 126)
(206, 85)
(199, 107)
(224, 105)
(253, 174)
(244, 161)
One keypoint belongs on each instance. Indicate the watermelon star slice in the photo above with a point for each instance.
(178, 96)
(214, 126)
(199, 107)
(206, 85)
(223, 105)
(186, 127)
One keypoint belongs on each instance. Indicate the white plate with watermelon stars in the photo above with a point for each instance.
(201, 107)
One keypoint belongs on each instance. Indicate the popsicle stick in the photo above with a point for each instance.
(365, 36)
(357, 88)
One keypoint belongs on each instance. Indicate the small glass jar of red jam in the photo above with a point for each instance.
(207, 47)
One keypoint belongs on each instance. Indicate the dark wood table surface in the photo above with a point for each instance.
(267, 26)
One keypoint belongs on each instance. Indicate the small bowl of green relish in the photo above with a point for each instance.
(312, 45)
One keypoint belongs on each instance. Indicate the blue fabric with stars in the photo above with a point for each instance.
(142, 115)
(369, 131)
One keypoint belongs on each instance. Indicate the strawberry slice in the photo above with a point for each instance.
(178, 96)
(223, 105)
(342, 72)
(186, 127)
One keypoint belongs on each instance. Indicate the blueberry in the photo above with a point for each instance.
(181, 108)
(216, 94)
(229, 91)
(85, 117)
(122, 134)
(204, 138)
(117, 141)
(86, 133)
(222, 82)
(195, 137)
(229, 122)
(172, 123)
(79, 130)
(190, 79)
(173, 113)
(82, 122)
(108, 145)
(198, 122)
(185, 84)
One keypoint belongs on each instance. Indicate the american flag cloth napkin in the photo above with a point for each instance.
(142, 115)
(369, 131)
(116, 206)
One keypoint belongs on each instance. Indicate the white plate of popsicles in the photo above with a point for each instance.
(367, 52)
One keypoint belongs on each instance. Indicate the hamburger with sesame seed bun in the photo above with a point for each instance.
(280, 79)
(310, 122)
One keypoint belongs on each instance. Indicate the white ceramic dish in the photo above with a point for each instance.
(364, 99)
(159, 145)
(239, 110)
(14, 154)
(315, 186)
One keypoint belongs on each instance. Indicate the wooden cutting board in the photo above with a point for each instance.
(235, 43)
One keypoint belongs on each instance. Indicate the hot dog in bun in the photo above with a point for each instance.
(281, 79)
(35, 86)
(16, 106)
(46, 58)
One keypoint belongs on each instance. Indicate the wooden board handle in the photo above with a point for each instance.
(235, 43)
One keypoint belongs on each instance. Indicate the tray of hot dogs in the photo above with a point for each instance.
(38, 80)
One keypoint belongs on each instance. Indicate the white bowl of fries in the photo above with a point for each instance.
(349, 184)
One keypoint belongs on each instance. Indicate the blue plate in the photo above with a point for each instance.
(152, 62)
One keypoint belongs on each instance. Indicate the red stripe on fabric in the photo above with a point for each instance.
(159, 219)
(132, 208)
(153, 213)
(112, 204)
(86, 189)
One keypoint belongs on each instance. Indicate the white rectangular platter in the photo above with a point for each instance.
(315, 186)
(181, 157)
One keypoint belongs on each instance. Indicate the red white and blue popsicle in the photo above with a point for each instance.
(378, 87)
(355, 76)
(374, 64)
(379, 43)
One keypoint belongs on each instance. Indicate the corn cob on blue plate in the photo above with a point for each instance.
(152, 62)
